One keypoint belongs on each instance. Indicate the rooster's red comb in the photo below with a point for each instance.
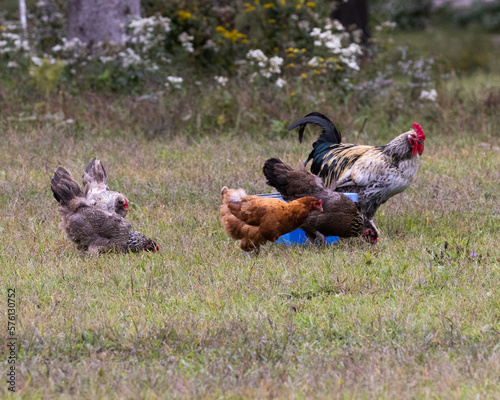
(419, 131)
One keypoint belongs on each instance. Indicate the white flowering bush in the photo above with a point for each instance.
(259, 66)
(12, 43)
(273, 44)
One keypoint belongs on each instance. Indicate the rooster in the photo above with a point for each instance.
(375, 173)
(92, 229)
(340, 217)
(255, 220)
(95, 182)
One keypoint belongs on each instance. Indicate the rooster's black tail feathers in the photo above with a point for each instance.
(330, 133)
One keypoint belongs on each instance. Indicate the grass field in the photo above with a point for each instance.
(416, 316)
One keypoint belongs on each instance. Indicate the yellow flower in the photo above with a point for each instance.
(291, 55)
(256, 1)
(291, 65)
(317, 72)
(299, 6)
(271, 21)
(302, 50)
(233, 35)
(268, 5)
(246, 41)
(303, 75)
(295, 51)
(247, 5)
(283, 2)
(289, 49)
(310, 4)
(221, 120)
(2, 28)
(250, 9)
(339, 67)
(184, 15)
(292, 94)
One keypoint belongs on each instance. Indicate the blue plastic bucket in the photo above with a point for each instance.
(298, 236)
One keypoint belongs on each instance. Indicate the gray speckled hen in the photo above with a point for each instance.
(95, 182)
(91, 228)
(340, 216)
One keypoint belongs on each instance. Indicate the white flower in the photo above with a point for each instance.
(304, 24)
(129, 58)
(221, 80)
(280, 82)
(275, 63)
(257, 55)
(36, 60)
(315, 32)
(338, 25)
(174, 81)
(430, 95)
(12, 64)
(186, 39)
(350, 62)
(313, 62)
(210, 44)
(351, 50)
(105, 59)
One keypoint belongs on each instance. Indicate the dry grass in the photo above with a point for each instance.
(416, 316)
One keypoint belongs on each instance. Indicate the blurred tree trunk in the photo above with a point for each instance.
(353, 12)
(94, 21)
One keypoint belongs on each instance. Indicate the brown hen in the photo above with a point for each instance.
(255, 220)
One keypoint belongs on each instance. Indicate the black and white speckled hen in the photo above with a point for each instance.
(91, 228)
(340, 216)
(375, 173)
(95, 183)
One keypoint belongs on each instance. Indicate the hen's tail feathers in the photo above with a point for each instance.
(139, 242)
(232, 194)
(64, 187)
(330, 133)
(95, 173)
(275, 172)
